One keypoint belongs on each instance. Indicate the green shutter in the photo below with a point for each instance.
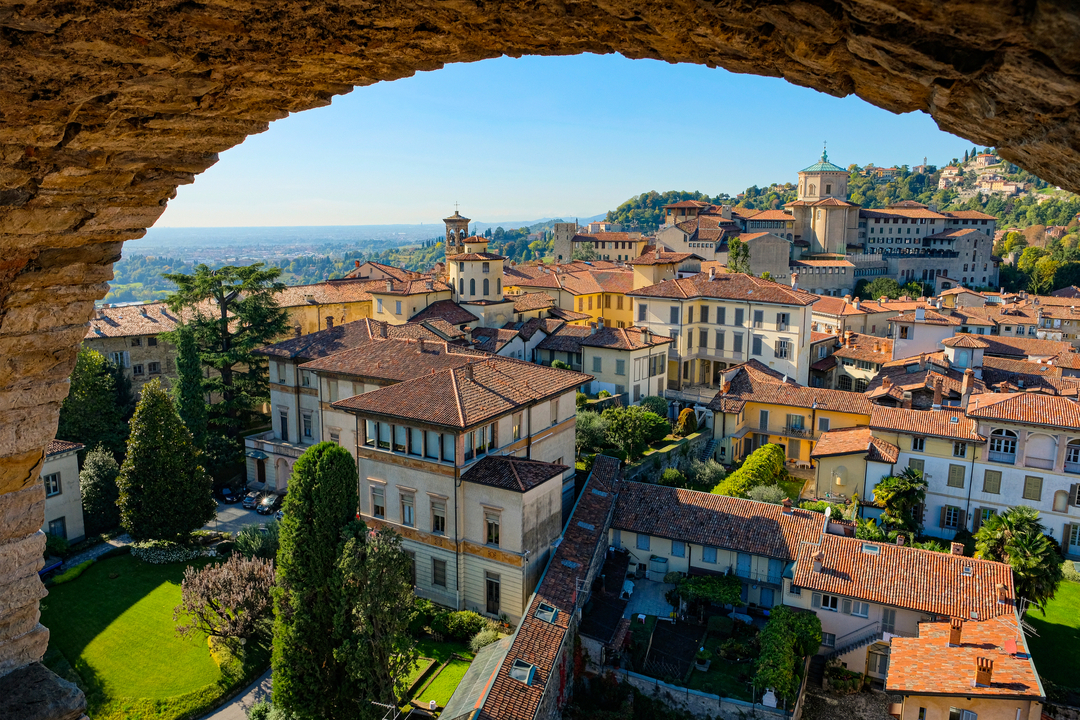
(992, 482)
(956, 476)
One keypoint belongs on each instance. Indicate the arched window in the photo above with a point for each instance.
(461, 286)
(860, 385)
(472, 286)
(1061, 501)
(844, 382)
(1072, 456)
(498, 286)
(812, 189)
(1003, 446)
(487, 287)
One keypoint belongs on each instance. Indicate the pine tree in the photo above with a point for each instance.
(164, 491)
(90, 413)
(188, 390)
(309, 681)
(97, 481)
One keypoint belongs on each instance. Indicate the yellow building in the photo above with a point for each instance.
(595, 294)
(757, 406)
(321, 305)
(657, 266)
(396, 302)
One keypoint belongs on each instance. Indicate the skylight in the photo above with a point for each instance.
(586, 525)
(547, 613)
(523, 671)
(871, 549)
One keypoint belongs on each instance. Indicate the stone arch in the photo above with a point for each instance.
(101, 121)
(282, 472)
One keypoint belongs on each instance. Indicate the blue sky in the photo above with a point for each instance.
(519, 139)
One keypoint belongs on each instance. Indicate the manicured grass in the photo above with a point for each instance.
(441, 651)
(420, 668)
(119, 636)
(792, 488)
(442, 686)
(722, 677)
(1057, 648)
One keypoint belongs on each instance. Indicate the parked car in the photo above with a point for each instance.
(251, 500)
(269, 505)
(228, 496)
(279, 515)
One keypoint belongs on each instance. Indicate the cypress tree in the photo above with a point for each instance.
(97, 481)
(164, 491)
(190, 398)
(309, 681)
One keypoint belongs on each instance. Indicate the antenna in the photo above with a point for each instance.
(392, 711)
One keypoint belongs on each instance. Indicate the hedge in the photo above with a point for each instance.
(71, 573)
(764, 466)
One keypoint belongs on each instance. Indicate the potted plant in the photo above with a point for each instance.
(703, 659)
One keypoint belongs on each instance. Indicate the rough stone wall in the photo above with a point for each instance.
(106, 107)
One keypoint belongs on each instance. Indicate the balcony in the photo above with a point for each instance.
(1072, 467)
(787, 431)
(1002, 457)
(1041, 463)
(756, 577)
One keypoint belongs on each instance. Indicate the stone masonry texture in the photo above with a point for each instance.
(105, 108)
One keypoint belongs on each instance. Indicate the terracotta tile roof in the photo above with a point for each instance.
(492, 340)
(964, 340)
(691, 204)
(421, 286)
(1069, 360)
(531, 327)
(569, 338)
(1016, 366)
(949, 422)
(824, 364)
(772, 215)
(1028, 408)
(565, 339)
(928, 665)
(396, 360)
(567, 315)
(329, 292)
(466, 395)
(955, 233)
(728, 286)
(532, 301)
(900, 213)
(342, 337)
(969, 215)
(394, 272)
(55, 447)
(756, 383)
(816, 337)
(715, 520)
(512, 473)
(821, 263)
(665, 258)
(604, 237)
(447, 310)
(837, 306)
(441, 328)
(129, 320)
(870, 348)
(929, 318)
(906, 577)
(959, 291)
(1025, 347)
(536, 641)
(476, 256)
(848, 441)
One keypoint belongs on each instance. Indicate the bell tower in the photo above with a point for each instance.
(457, 229)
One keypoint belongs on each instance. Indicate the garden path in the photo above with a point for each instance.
(98, 550)
(237, 708)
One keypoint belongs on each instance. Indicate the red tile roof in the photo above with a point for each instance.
(848, 441)
(969, 215)
(727, 286)
(906, 577)
(512, 473)
(964, 340)
(1027, 408)
(447, 310)
(665, 258)
(342, 337)
(532, 301)
(870, 348)
(467, 395)
(715, 520)
(949, 422)
(128, 320)
(929, 665)
(329, 292)
(839, 306)
(55, 447)
(1026, 347)
(493, 340)
(756, 383)
(772, 215)
(929, 318)
(396, 360)
(571, 338)
(421, 286)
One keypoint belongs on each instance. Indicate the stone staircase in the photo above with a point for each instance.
(707, 450)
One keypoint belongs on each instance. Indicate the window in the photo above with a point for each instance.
(828, 639)
(155, 368)
(917, 464)
(708, 554)
(918, 444)
(759, 318)
(449, 448)
(438, 572)
(620, 367)
(643, 541)
(860, 608)
(703, 338)
(674, 315)
(335, 438)
(58, 528)
(378, 502)
(596, 363)
(378, 301)
(397, 307)
(719, 339)
(737, 339)
(959, 449)
(956, 476)
(888, 620)
(823, 424)
(416, 442)
(782, 348)
(472, 286)
(825, 602)
(408, 514)
(491, 522)
(307, 424)
(992, 482)
(151, 342)
(284, 432)
(794, 589)
(782, 321)
(957, 713)
(950, 517)
(491, 581)
(1033, 487)
(690, 315)
(516, 425)
(136, 342)
(705, 314)
(721, 316)
(52, 484)
(305, 378)
(844, 382)
(756, 345)
(401, 438)
(1002, 446)
(371, 431)
(486, 267)
(137, 369)
(438, 517)
(739, 312)
(678, 548)
(641, 312)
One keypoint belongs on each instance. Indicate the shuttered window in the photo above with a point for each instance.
(916, 464)
(992, 482)
(1033, 487)
(956, 476)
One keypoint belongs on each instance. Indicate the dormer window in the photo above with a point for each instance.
(547, 613)
(522, 671)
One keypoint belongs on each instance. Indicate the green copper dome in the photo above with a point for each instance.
(823, 165)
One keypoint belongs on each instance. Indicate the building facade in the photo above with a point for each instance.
(63, 495)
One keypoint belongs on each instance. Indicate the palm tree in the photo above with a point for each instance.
(1018, 538)
(901, 494)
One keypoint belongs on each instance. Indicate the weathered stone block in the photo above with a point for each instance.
(19, 622)
(36, 693)
(19, 471)
(21, 558)
(22, 512)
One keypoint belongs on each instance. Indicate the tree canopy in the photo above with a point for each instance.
(901, 494)
(97, 482)
(1018, 537)
(91, 413)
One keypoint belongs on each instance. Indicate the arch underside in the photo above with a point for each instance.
(105, 108)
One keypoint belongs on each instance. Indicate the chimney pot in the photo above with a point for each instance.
(900, 540)
(712, 272)
(787, 506)
(956, 627)
(937, 393)
(297, 331)
(819, 560)
(984, 671)
(357, 263)
(389, 286)
(956, 548)
(968, 381)
(657, 253)
(1002, 595)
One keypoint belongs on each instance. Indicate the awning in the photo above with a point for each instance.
(257, 454)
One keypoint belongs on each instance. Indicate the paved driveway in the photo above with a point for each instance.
(237, 708)
(231, 518)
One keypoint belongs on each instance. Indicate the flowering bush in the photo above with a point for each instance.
(159, 552)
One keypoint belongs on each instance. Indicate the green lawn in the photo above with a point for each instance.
(722, 677)
(1057, 648)
(119, 637)
(792, 488)
(441, 651)
(442, 686)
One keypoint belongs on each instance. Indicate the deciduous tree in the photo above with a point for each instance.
(591, 431)
(97, 481)
(164, 491)
(738, 260)
(226, 599)
(91, 414)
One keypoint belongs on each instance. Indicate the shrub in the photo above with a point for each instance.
(656, 427)
(159, 552)
(255, 541)
(764, 466)
(820, 506)
(603, 394)
(590, 431)
(786, 637)
(673, 478)
(767, 493)
(720, 625)
(655, 404)
(259, 711)
(55, 545)
(115, 552)
(423, 611)
(560, 365)
(458, 625)
(581, 400)
(482, 639)
(97, 482)
(687, 423)
(705, 474)
(225, 599)
(71, 573)
(732, 649)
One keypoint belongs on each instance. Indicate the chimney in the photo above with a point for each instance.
(900, 540)
(467, 371)
(855, 303)
(357, 263)
(142, 311)
(920, 314)
(907, 400)
(389, 286)
(594, 328)
(329, 322)
(937, 393)
(984, 671)
(297, 331)
(712, 272)
(429, 285)
(819, 559)
(886, 382)
(1002, 595)
(956, 627)
(965, 386)
(645, 335)
(657, 253)
(725, 212)
(922, 361)
(956, 549)
(786, 506)
(847, 299)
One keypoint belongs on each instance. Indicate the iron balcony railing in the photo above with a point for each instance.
(1072, 467)
(787, 431)
(756, 576)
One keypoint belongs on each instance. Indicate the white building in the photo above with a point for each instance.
(63, 495)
